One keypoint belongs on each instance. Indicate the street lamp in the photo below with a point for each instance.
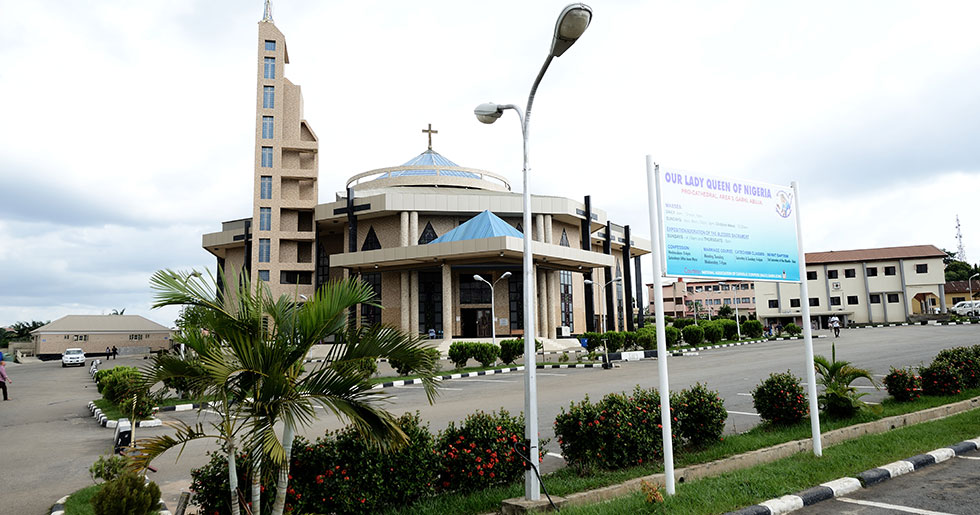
(571, 24)
(738, 321)
(493, 316)
(602, 315)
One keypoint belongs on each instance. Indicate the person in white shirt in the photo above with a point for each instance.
(835, 324)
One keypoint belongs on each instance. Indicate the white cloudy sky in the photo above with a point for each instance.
(129, 125)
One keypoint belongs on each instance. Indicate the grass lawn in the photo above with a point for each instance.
(566, 481)
(79, 502)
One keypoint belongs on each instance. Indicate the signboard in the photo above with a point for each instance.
(723, 228)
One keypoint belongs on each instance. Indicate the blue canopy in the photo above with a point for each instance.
(483, 225)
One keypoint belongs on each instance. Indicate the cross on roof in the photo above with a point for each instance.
(431, 132)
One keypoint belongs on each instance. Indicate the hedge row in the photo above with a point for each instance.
(120, 385)
(950, 372)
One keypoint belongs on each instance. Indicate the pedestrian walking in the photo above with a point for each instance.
(835, 325)
(108, 351)
(115, 352)
(4, 379)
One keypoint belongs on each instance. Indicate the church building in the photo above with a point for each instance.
(423, 234)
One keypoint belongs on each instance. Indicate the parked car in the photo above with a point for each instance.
(967, 307)
(73, 357)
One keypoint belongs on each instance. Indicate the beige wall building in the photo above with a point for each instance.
(682, 298)
(883, 285)
(93, 333)
(382, 226)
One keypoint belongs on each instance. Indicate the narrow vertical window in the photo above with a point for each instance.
(565, 295)
(267, 127)
(265, 218)
(266, 157)
(264, 246)
(270, 67)
(265, 187)
(270, 45)
(268, 97)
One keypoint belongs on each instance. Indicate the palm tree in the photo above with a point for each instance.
(839, 398)
(252, 353)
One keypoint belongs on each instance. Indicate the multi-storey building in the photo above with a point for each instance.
(880, 285)
(705, 298)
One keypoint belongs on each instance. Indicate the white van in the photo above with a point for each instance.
(967, 307)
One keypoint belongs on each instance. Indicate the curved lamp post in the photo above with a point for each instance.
(493, 316)
(571, 24)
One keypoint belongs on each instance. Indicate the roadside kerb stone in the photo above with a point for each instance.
(770, 454)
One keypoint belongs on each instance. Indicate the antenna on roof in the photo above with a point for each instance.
(960, 253)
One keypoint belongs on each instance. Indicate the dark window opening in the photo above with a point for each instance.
(794, 303)
(814, 301)
(371, 315)
(295, 277)
(852, 299)
(430, 302)
(835, 301)
(849, 273)
(892, 298)
(516, 300)
(889, 270)
(428, 234)
(872, 271)
(874, 298)
(921, 268)
(810, 275)
(831, 274)
(565, 295)
(472, 291)
(371, 240)
(774, 304)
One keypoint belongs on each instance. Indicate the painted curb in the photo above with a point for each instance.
(405, 382)
(866, 479)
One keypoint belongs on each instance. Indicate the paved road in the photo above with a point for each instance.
(46, 434)
(946, 488)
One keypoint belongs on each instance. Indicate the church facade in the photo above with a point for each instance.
(420, 234)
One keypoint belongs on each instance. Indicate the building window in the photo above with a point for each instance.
(270, 68)
(955, 300)
(266, 157)
(265, 187)
(267, 127)
(472, 291)
(874, 298)
(811, 275)
(814, 301)
(725, 287)
(716, 288)
(371, 241)
(264, 275)
(794, 303)
(690, 289)
(889, 270)
(565, 297)
(264, 248)
(773, 304)
(728, 301)
(515, 297)
(265, 218)
(831, 274)
(835, 301)
(852, 299)
(430, 303)
(268, 97)
(295, 277)
(371, 315)
(270, 45)
(698, 289)
(892, 298)
(872, 271)
(849, 273)
(922, 268)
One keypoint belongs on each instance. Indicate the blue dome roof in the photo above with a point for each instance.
(434, 162)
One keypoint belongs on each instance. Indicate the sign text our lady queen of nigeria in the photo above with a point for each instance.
(719, 228)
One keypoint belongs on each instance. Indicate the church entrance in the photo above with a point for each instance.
(475, 322)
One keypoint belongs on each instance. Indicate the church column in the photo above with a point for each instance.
(542, 289)
(548, 229)
(554, 305)
(403, 229)
(406, 303)
(413, 228)
(413, 303)
(447, 304)
(538, 228)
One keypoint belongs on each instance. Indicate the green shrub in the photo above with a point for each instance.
(681, 323)
(120, 383)
(342, 473)
(646, 337)
(460, 353)
(752, 328)
(629, 340)
(965, 361)
(614, 340)
(479, 453)
(673, 335)
(903, 385)
(693, 335)
(793, 329)
(618, 431)
(510, 350)
(107, 467)
(713, 332)
(593, 341)
(730, 328)
(359, 367)
(404, 369)
(779, 399)
(126, 494)
(701, 415)
(485, 353)
(940, 378)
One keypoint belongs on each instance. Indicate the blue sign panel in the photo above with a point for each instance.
(723, 228)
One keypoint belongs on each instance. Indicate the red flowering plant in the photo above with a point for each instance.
(480, 452)
(903, 385)
(779, 399)
(940, 378)
(701, 415)
(965, 361)
(210, 484)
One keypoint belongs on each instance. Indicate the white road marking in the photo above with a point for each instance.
(969, 457)
(556, 455)
(906, 509)
(743, 413)
(744, 394)
(550, 374)
(491, 380)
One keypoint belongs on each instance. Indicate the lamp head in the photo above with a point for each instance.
(588, 281)
(478, 278)
(506, 274)
(571, 24)
(488, 112)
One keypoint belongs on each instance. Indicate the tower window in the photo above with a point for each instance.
(266, 157)
(270, 68)
(265, 187)
(268, 97)
(267, 127)
(270, 45)
(265, 218)
(264, 275)
(264, 248)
